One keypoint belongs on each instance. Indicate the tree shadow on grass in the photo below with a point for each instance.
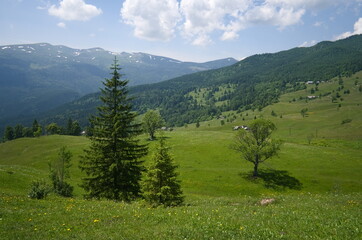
(275, 179)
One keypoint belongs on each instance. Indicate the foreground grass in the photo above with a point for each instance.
(296, 216)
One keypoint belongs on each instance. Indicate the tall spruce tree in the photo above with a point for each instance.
(160, 185)
(112, 162)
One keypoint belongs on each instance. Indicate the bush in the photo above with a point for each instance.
(39, 190)
(63, 189)
(346, 121)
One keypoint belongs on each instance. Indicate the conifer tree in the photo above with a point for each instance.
(160, 185)
(112, 162)
(35, 126)
(69, 127)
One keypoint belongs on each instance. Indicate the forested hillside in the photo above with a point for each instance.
(253, 83)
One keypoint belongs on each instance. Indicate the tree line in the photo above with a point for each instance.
(36, 130)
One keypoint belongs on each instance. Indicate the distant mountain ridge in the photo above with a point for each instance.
(252, 83)
(39, 77)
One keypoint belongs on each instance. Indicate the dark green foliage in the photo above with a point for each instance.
(35, 126)
(9, 133)
(68, 129)
(160, 185)
(112, 162)
(18, 131)
(38, 132)
(256, 145)
(53, 128)
(76, 129)
(304, 112)
(39, 190)
(59, 172)
(340, 81)
(73, 128)
(27, 132)
(348, 120)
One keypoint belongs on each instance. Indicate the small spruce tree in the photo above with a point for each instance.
(160, 185)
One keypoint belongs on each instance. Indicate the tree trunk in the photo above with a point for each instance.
(255, 174)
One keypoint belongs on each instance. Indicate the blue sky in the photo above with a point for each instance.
(188, 30)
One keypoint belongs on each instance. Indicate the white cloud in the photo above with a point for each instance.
(198, 20)
(202, 17)
(318, 24)
(61, 25)
(308, 44)
(202, 40)
(357, 30)
(152, 19)
(268, 14)
(229, 35)
(303, 3)
(74, 10)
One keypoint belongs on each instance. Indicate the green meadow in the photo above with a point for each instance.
(316, 180)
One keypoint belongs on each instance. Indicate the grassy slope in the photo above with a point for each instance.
(222, 201)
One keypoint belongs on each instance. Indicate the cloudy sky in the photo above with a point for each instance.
(188, 30)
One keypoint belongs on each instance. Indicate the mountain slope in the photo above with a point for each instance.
(38, 77)
(253, 83)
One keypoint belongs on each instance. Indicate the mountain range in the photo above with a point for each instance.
(252, 83)
(39, 77)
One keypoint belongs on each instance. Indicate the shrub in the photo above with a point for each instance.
(39, 189)
(346, 121)
(63, 189)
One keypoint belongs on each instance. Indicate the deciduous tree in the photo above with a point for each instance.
(53, 128)
(151, 121)
(255, 144)
(303, 112)
(59, 172)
